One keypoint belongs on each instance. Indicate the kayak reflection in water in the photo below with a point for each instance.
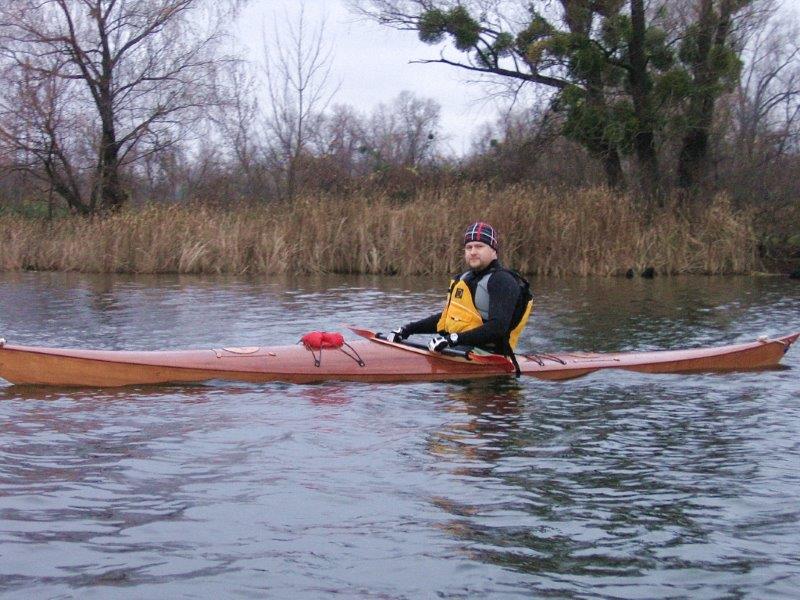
(487, 306)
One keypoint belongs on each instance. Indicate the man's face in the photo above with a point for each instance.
(478, 255)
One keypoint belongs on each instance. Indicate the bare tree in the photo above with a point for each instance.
(767, 113)
(522, 144)
(712, 61)
(135, 70)
(757, 141)
(405, 132)
(297, 68)
(344, 134)
(42, 133)
(234, 116)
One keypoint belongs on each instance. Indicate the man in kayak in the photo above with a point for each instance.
(487, 306)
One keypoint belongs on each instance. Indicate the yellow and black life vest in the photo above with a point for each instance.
(463, 312)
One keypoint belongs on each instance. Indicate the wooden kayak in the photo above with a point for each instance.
(371, 359)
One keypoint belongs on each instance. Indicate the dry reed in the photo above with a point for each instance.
(590, 232)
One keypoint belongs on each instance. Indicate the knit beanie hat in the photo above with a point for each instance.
(482, 232)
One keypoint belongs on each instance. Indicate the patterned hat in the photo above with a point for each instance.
(482, 232)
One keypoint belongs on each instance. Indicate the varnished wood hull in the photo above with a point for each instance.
(382, 361)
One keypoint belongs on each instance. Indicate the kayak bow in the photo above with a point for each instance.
(382, 361)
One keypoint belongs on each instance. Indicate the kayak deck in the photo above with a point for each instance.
(379, 360)
(761, 354)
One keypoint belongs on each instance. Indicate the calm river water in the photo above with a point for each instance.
(617, 485)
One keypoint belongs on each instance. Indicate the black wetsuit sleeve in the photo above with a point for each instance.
(426, 325)
(503, 294)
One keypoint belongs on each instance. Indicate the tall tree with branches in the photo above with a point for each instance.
(135, 71)
(713, 66)
(297, 69)
(619, 75)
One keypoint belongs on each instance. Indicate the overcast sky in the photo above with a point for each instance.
(371, 63)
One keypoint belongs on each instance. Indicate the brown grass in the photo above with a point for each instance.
(592, 232)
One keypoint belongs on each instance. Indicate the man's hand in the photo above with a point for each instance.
(397, 335)
(439, 343)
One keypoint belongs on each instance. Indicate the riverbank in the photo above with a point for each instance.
(590, 232)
